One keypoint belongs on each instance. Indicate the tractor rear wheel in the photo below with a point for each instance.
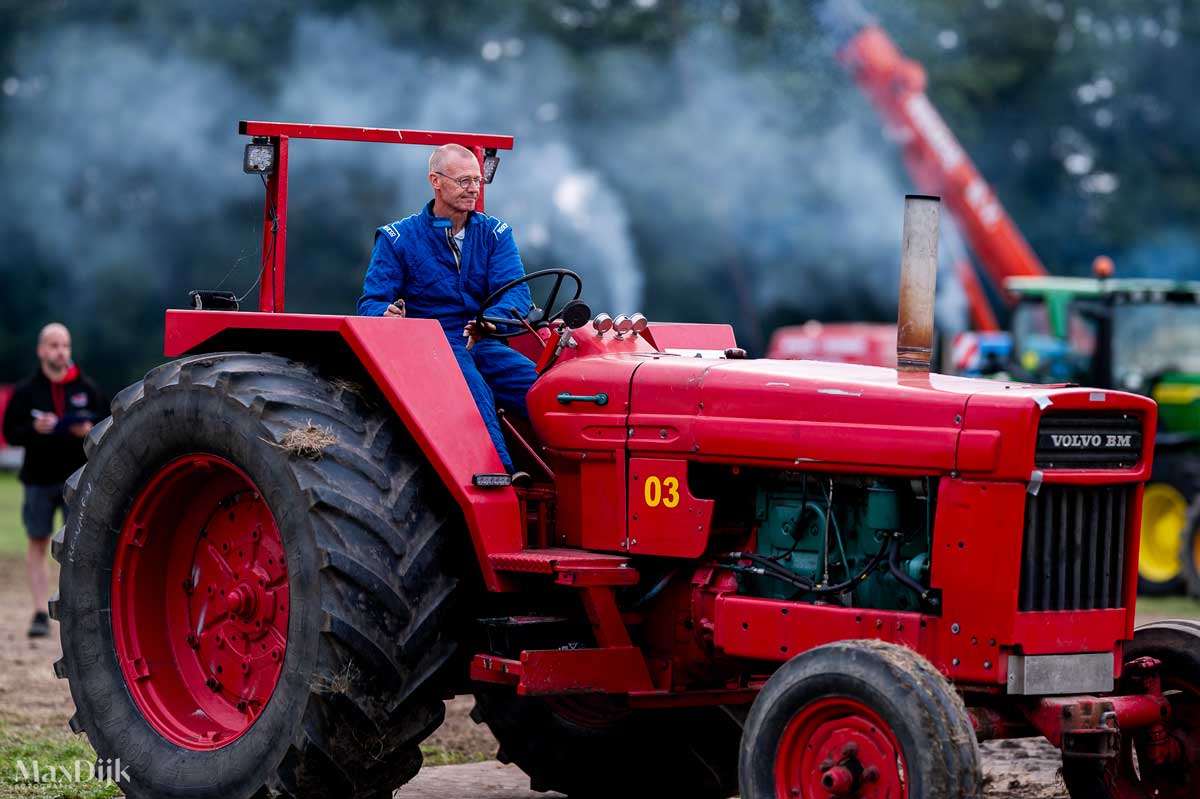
(595, 746)
(1190, 554)
(859, 718)
(1165, 521)
(1132, 774)
(257, 585)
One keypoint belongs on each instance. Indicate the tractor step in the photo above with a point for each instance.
(569, 566)
(615, 670)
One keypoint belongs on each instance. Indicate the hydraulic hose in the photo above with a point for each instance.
(895, 570)
(769, 568)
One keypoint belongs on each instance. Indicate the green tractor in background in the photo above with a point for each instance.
(1132, 334)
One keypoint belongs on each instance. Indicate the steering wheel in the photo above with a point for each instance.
(537, 316)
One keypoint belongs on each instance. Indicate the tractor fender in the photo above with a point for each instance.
(411, 363)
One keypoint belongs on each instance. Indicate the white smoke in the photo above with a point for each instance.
(123, 154)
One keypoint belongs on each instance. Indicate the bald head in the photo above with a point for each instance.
(54, 329)
(454, 177)
(449, 154)
(54, 350)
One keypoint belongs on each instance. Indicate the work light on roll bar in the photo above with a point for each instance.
(259, 157)
(491, 162)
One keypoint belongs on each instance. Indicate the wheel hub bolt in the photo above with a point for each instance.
(870, 774)
(826, 764)
(850, 750)
(241, 601)
(838, 781)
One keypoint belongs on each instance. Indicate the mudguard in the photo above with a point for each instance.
(411, 362)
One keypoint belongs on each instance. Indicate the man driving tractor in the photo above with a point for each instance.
(442, 263)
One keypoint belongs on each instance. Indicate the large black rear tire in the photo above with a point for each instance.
(372, 542)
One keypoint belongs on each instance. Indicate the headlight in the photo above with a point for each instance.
(491, 162)
(259, 158)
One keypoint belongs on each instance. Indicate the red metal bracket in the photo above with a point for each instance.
(1089, 726)
(432, 138)
(612, 670)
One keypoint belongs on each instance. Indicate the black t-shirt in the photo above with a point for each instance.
(52, 458)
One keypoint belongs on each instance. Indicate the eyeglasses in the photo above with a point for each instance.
(465, 182)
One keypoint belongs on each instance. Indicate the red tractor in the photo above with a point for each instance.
(786, 578)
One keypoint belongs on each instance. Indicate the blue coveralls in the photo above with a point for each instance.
(413, 260)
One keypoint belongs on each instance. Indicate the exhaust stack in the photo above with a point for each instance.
(918, 283)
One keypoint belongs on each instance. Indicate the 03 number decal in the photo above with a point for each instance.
(664, 492)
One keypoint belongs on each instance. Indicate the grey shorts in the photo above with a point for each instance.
(37, 510)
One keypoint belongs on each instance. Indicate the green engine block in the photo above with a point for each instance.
(829, 529)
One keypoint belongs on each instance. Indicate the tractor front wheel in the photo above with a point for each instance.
(859, 718)
(1133, 773)
(258, 585)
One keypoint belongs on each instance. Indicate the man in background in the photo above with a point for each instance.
(49, 414)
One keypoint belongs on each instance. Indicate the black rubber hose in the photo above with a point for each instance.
(898, 573)
(655, 590)
(772, 569)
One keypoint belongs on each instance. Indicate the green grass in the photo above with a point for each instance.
(12, 532)
(56, 751)
(437, 756)
(1161, 607)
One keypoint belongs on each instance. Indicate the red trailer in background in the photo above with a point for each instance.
(866, 343)
(5, 393)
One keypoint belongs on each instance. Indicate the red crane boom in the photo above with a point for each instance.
(938, 164)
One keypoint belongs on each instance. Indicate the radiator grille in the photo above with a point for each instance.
(1074, 548)
(1088, 441)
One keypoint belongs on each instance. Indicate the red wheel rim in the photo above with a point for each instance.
(200, 602)
(836, 747)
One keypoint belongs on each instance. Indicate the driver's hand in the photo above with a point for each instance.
(474, 333)
(395, 309)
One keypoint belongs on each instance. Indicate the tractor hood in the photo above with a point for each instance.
(814, 412)
(789, 413)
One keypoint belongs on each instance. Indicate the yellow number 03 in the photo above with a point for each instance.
(654, 492)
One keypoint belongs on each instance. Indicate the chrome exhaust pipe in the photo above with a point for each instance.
(918, 283)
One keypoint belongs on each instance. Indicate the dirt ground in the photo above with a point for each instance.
(30, 696)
